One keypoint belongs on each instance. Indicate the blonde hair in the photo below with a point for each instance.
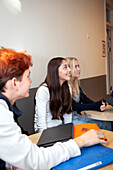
(73, 80)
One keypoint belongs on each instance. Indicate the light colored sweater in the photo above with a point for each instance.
(43, 116)
(16, 148)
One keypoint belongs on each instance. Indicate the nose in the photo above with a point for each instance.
(69, 69)
(78, 68)
(30, 81)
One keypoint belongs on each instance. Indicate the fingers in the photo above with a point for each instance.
(92, 137)
(101, 138)
(103, 102)
(103, 141)
(103, 106)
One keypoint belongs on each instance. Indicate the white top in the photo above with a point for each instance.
(17, 149)
(43, 116)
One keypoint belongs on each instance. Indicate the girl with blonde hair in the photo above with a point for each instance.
(80, 101)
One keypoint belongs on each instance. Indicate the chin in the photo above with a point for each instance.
(27, 95)
(68, 78)
(78, 76)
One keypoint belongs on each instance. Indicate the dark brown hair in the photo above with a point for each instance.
(60, 97)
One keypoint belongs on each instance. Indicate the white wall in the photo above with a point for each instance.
(47, 28)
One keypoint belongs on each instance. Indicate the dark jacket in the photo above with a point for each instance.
(85, 103)
(111, 94)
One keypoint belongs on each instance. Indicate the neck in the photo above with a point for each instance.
(10, 100)
(61, 83)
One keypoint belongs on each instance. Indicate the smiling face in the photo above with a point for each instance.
(64, 72)
(77, 70)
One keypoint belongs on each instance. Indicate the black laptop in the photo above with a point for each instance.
(109, 99)
(52, 135)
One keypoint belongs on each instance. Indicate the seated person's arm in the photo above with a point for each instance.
(84, 98)
(87, 104)
(41, 109)
(10, 136)
(81, 106)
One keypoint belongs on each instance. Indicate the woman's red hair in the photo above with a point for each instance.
(12, 64)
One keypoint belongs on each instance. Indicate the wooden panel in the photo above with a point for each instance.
(95, 87)
(109, 4)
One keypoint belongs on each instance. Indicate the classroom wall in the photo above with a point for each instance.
(47, 28)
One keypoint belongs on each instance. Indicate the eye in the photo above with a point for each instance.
(77, 66)
(65, 67)
(29, 75)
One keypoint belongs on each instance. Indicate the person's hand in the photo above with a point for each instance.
(90, 138)
(103, 106)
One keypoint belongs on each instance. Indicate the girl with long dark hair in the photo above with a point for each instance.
(53, 97)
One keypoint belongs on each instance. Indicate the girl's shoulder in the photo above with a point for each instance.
(69, 85)
(42, 89)
(70, 88)
(44, 85)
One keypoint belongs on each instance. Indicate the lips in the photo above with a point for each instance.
(69, 75)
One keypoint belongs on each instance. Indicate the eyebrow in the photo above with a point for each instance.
(65, 65)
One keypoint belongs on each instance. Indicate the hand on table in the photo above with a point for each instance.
(92, 137)
(103, 106)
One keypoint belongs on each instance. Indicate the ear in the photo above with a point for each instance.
(15, 83)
